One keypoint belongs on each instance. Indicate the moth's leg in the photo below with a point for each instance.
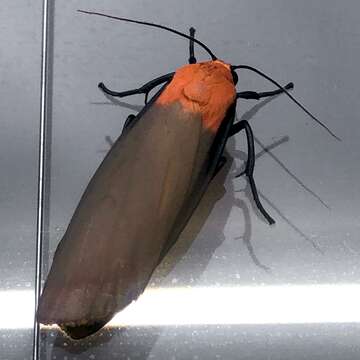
(192, 58)
(250, 164)
(128, 122)
(145, 89)
(259, 95)
(236, 128)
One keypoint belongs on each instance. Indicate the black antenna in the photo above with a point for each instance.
(234, 67)
(192, 59)
(213, 57)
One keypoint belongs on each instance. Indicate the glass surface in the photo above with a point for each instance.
(19, 119)
(233, 287)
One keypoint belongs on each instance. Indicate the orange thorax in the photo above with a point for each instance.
(205, 88)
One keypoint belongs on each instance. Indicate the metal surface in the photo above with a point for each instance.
(19, 112)
(41, 173)
(233, 287)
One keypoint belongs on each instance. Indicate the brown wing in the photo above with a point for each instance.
(115, 238)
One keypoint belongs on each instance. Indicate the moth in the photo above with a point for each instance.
(147, 187)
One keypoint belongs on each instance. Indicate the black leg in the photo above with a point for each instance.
(250, 164)
(128, 122)
(145, 89)
(258, 95)
(236, 128)
(192, 58)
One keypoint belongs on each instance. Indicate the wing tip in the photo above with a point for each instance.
(78, 332)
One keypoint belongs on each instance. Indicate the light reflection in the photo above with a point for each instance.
(17, 309)
(292, 304)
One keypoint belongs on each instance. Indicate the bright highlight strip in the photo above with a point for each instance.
(293, 304)
(285, 304)
(17, 309)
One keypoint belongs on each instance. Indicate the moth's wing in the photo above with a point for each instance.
(114, 240)
(209, 152)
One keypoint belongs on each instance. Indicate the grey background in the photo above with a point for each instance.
(309, 182)
(20, 56)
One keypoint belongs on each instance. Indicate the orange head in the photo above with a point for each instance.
(207, 88)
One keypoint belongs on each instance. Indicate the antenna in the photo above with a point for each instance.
(213, 57)
(234, 67)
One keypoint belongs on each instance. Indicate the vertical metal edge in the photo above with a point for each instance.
(41, 173)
